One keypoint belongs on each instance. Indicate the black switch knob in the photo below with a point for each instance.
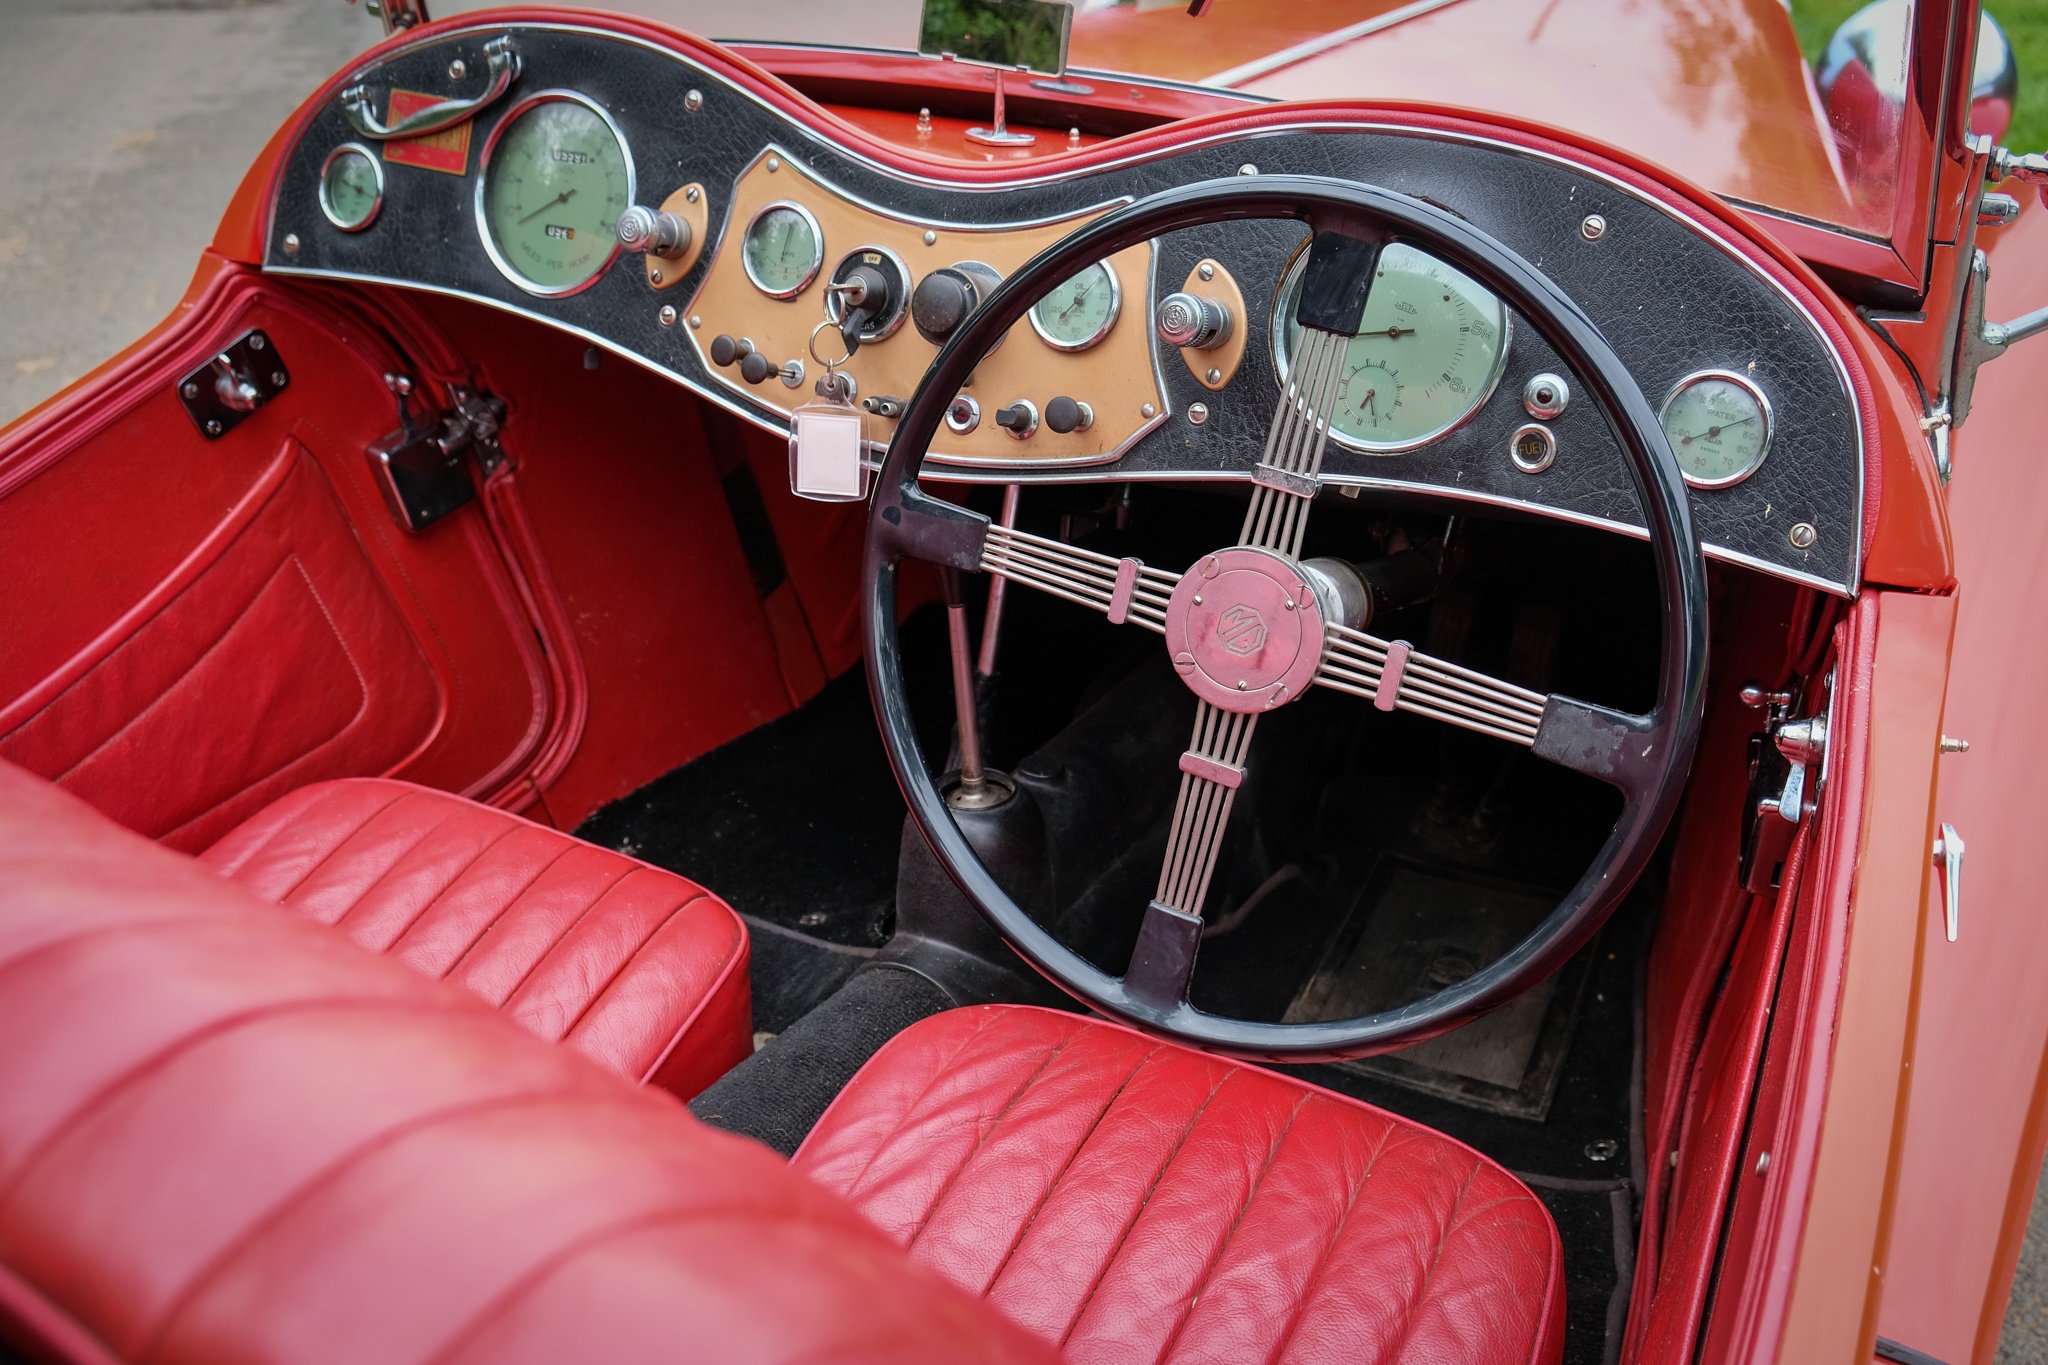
(725, 349)
(1020, 419)
(944, 298)
(1064, 414)
(755, 367)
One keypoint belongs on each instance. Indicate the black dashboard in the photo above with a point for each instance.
(1697, 324)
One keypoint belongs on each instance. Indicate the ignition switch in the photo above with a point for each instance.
(868, 296)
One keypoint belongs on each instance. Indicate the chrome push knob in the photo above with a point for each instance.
(1193, 322)
(653, 231)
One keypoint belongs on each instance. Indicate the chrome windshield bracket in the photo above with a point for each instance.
(1948, 856)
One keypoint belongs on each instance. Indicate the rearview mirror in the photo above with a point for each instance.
(1002, 33)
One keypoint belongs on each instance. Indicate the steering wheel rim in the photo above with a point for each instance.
(1650, 760)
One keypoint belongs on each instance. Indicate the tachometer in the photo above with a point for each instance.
(555, 179)
(1429, 351)
(1719, 426)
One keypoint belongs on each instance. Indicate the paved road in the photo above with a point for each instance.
(127, 125)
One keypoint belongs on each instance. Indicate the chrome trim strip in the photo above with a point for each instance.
(1685, 220)
(1313, 47)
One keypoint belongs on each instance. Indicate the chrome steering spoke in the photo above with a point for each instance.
(1124, 589)
(1395, 677)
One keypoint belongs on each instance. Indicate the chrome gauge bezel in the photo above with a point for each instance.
(1094, 339)
(835, 310)
(1763, 403)
(817, 262)
(1277, 334)
(327, 205)
(483, 178)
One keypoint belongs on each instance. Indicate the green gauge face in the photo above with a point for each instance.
(782, 250)
(1429, 350)
(1079, 313)
(555, 180)
(351, 187)
(1719, 426)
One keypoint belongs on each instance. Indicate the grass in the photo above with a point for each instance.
(2026, 26)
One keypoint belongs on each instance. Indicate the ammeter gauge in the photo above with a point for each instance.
(782, 250)
(351, 187)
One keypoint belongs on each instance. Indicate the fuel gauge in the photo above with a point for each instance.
(351, 187)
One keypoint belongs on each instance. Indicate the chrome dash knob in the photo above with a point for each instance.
(654, 231)
(1193, 321)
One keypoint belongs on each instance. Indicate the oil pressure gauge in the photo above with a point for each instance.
(1079, 313)
(1719, 426)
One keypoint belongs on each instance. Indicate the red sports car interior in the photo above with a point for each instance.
(680, 720)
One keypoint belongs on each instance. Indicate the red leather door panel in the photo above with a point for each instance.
(193, 627)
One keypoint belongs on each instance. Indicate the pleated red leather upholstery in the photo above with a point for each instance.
(1134, 1201)
(228, 1136)
(629, 964)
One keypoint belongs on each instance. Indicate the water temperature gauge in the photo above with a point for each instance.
(1719, 426)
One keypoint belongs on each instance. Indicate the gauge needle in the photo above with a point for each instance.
(1370, 405)
(1714, 433)
(1080, 295)
(561, 198)
(1388, 332)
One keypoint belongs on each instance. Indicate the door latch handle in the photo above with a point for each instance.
(1948, 856)
(501, 65)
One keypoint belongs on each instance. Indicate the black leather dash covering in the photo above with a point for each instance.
(1671, 300)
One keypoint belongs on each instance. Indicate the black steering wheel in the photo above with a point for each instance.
(1257, 589)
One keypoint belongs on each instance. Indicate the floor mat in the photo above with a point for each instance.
(1413, 931)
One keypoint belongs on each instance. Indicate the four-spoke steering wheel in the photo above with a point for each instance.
(1247, 632)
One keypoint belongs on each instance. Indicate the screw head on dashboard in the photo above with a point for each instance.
(930, 238)
(692, 194)
(1247, 169)
(654, 276)
(457, 69)
(1207, 270)
(1803, 536)
(1593, 227)
(693, 100)
(291, 244)
(667, 315)
(1198, 413)
(696, 320)
(1148, 412)
(774, 163)
(1215, 376)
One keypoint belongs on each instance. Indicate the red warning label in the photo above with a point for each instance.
(446, 151)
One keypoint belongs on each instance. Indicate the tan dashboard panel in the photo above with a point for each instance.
(1116, 378)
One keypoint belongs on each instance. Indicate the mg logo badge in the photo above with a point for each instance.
(1241, 630)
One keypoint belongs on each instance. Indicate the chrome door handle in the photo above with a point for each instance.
(1948, 856)
(501, 65)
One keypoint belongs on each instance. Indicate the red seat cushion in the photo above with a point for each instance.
(1136, 1201)
(229, 1136)
(631, 965)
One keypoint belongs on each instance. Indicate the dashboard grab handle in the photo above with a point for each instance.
(501, 66)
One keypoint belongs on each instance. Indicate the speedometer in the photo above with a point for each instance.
(1429, 350)
(555, 179)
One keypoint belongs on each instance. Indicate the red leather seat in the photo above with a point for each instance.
(631, 965)
(1135, 1201)
(228, 1136)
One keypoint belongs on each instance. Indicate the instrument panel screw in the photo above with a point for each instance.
(1247, 169)
(291, 244)
(692, 194)
(654, 276)
(1803, 536)
(774, 163)
(696, 321)
(930, 238)
(1198, 414)
(1214, 376)
(1148, 412)
(457, 69)
(1207, 270)
(693, 100)
(667, 315)
(1593, 227)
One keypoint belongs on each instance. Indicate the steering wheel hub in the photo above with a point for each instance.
(1245, 630)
